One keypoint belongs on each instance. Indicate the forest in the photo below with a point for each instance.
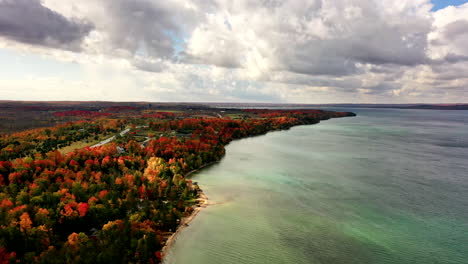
(120, 200)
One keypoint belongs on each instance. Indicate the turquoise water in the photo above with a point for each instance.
(387, 186)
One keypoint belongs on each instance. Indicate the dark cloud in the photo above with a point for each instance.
(381, 88)
(384, 69)
(141, 26)
(455, 29)
(148, 27)
(447, 72)
(313, 37)
(321, 65)
(228, 60)
(149, 65)
(30, 22)
(450, 58)
(360, 33)
(346, 83)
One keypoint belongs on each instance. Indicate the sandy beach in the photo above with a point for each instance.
(202, 203)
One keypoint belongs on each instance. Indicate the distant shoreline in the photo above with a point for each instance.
(321, 106)
(61, 105)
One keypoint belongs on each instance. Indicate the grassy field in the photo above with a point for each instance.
(80, 144)
(235, 116)
(152, 111)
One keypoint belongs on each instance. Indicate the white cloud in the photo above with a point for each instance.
(221, 50)
(450, 33)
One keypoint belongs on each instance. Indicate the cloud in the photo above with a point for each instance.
(313, 37)
(456, 29)
(270, 50)
(30, 22)
(145, 27)
(136, 27)
(449, 37)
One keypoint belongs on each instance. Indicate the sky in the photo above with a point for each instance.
(276, 51)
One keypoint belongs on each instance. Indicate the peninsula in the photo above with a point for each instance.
(63, 201)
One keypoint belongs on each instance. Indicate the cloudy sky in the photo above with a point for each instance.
(288, 51)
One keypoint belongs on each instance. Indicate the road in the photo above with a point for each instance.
(105, 141)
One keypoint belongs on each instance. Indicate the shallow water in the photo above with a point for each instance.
(387, 186)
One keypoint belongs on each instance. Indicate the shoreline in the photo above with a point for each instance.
(185, 221)
(202, 203)
(201, 167)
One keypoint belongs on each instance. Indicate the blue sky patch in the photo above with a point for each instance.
(440, 4)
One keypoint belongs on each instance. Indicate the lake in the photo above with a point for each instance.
(387, 186)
